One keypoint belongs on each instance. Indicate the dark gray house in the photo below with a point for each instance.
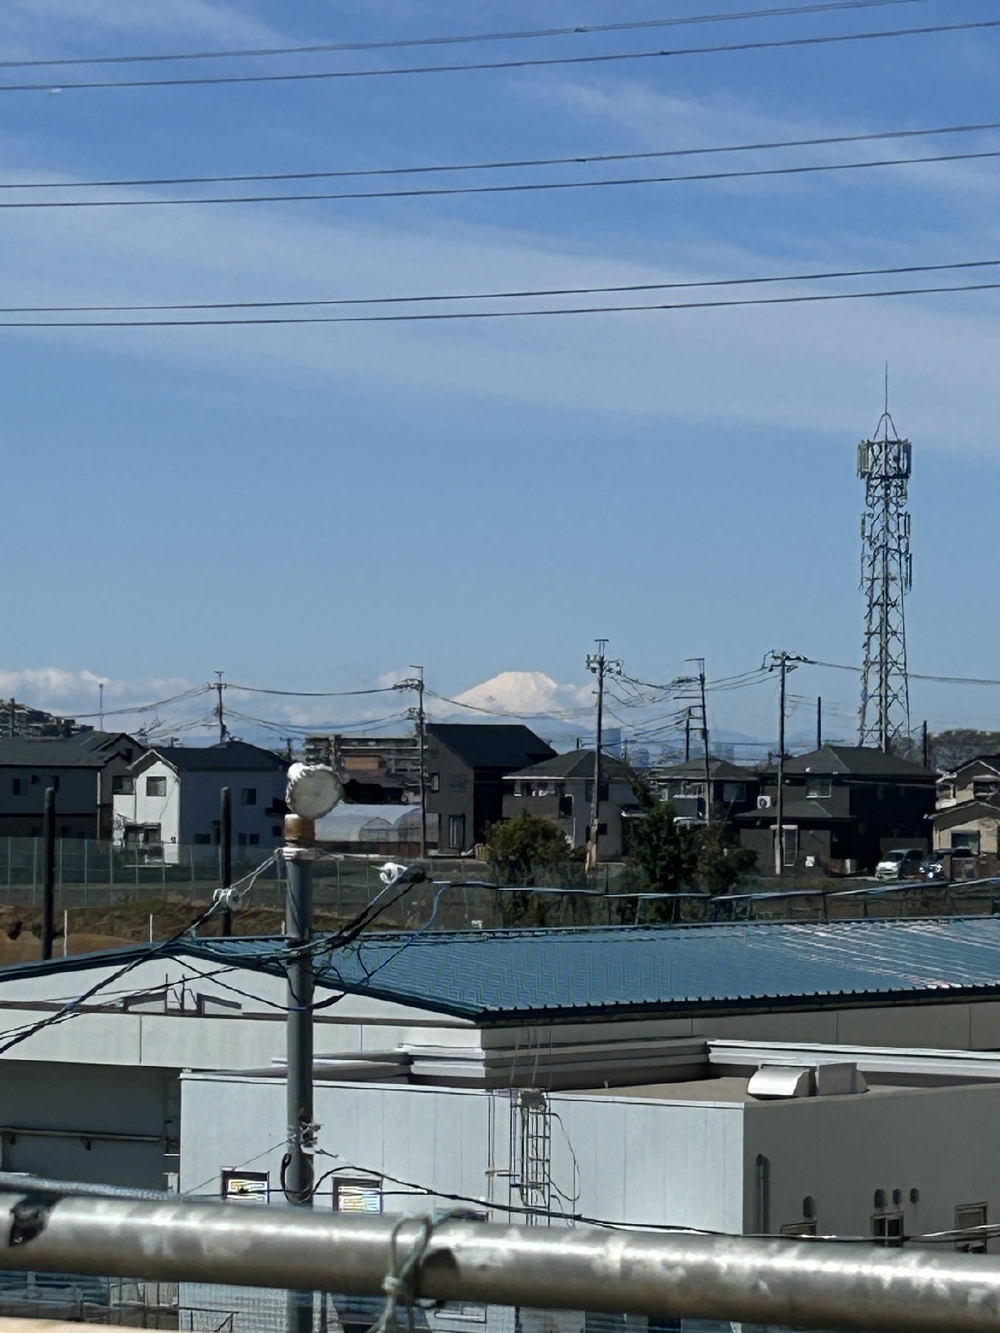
(466, 765)
(561, 789)
(734, 790)
(842, 807)
(83, 769)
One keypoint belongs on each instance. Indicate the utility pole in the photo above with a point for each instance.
(925, 746)
(599, 664)
(100, 704)
(49, 879)
(419, 716)
(704, 737)
(780, 661)
(819, 723)
(220, 709)
(422, 752)
(687, 736)
(226, 846)
(313, 791)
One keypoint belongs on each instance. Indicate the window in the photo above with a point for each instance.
(202, 839)
(254, 839)
(122, 784)
(276, 830)
(434, 782)
(733, 792)
(967, 1216)
(969, 840)
(790, 843)
(15, 786)
(248, 796)
(241, 839)
(156, 786)
(985, 789)
(35, 779)
(818, 789)
(887, 1229)
(245, 1186)
(565, 807)
(357, 1196)
(456, 831)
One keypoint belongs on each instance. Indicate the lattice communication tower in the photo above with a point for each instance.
(885, 465)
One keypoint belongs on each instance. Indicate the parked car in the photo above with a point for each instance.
(902, 863)
(946, 863)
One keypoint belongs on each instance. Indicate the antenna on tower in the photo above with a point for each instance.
(885, 466)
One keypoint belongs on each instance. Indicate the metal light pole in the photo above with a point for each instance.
(313, 790)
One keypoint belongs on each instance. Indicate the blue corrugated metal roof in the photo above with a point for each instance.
(520, 974)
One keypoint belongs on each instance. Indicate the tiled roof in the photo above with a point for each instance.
(511, 975)
(574, 764)
(491, 744)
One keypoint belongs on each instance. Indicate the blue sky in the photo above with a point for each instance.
(317, 507)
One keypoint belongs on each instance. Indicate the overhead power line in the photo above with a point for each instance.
(509, 295)
(539, 62)
(515, 187)
(449, 315)
(512, 164)
(457, 39)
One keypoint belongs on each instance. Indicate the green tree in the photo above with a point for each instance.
(517, 848)
(671, 857)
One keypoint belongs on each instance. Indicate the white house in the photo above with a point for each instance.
(172, 797)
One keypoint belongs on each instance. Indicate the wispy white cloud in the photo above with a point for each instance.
(787, 367)
(30, 23)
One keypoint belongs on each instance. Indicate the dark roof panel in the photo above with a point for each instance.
(858, 762)
(230, 756)
(574, 764)
(491, 744)
(721, 770)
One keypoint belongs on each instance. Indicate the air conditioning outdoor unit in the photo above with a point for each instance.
(763, 802)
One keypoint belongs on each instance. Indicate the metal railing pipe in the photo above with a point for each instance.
(800, 1284)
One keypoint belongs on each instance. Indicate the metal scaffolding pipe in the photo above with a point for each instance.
(792, 1283)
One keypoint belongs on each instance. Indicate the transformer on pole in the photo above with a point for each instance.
(885, 465)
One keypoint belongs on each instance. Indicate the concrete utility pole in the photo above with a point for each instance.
(599, 664)
(419, 717)
(226, 847)
(780, 661)
(49, 880)
(704, 737)
(220, 709)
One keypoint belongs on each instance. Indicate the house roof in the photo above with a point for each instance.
(230, 756)
(802, 811)
(952, 815)
(721, 770)
(573, 764)
(42, 752)
(856, 762)
(514, 975)
(491, 744)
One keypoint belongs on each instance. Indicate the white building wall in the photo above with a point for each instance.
(838, 1151)
(141, 808)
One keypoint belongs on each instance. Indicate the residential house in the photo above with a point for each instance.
(842, 807)
(172, 798)
(466, 764)
(968, 807)
(562, 790)
(84, 769)
(734, 790)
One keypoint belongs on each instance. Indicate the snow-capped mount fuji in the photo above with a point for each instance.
(526, 693)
